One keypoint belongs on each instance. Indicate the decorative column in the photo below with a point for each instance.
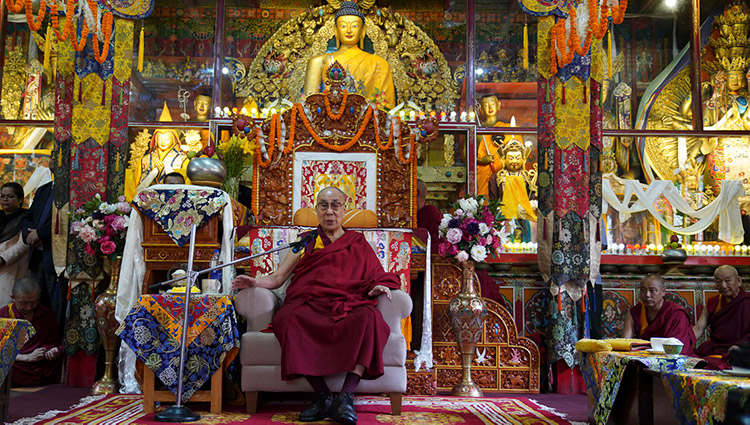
(570, 75)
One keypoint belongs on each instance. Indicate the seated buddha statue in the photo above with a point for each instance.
(489, 160)
(164, 155)
(370, 73)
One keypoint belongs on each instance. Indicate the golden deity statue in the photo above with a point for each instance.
(725, 107)
(489, 159)
(514, 184)
(371, 75)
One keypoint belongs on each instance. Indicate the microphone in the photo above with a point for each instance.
(297, 246)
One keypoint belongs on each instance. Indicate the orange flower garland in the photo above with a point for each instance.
(78, 46)
(381, 146)
(327, 102)
(107, 24)
(35, 25)
(68, 26)
(15, 6)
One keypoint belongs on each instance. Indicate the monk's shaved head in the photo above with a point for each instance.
(335, 190)
(26, 286)
(726, 269)
(656, 279)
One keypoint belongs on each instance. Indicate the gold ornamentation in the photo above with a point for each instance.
(139, 148)
(420, 71)
(14, 81)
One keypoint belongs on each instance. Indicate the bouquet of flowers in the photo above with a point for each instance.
(237, 153)
(101, 226)
(471, 233)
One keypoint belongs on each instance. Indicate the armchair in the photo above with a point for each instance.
(260, 352)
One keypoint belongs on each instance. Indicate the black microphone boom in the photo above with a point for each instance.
(298, 246)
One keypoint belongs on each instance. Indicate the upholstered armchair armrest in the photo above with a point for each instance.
(257, 305)
(395, 309)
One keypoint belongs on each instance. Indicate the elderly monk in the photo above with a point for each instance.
(727, 317)
(328, 322)
(39, 362)
(656, 317)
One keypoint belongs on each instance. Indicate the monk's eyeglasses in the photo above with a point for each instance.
(334, 206)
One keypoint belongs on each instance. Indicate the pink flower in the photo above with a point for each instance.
(462, 256)
(108, 247)
(443, 248)
(119, 223)
(454, 235)
(87, 234)
(452, 250)
(89, 250)
(123, 207)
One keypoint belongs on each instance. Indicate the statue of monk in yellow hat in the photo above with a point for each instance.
(164, 155)
(369, 71)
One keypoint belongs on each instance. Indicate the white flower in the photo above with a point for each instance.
(469, 206)
(459, 212)
(462, 256)
(478, 253)
(444, 222)
(483, 229)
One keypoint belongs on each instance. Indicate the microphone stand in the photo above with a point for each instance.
(178, 412)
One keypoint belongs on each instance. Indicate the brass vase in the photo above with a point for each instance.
(104, 308)
(467, 311)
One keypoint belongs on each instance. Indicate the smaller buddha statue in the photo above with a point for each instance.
(202, 105)
(370, 74)
(164, 155)
(514, 184)
(195, 140)
(489, 160)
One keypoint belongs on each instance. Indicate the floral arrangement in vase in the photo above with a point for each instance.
(237, 153)
(101, 226)
(473, 231)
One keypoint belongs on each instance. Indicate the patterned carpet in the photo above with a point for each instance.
(127, 409)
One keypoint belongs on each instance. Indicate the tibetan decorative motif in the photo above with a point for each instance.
(467, 311)
(420, 71)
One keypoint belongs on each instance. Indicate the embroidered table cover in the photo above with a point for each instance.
(153, 330)
(14, 333)
(603, 372)
(177, 209)
(700, 396)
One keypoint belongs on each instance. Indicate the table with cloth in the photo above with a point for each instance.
(153, 330)
(603, 373)
(700, 396)
(14, 333)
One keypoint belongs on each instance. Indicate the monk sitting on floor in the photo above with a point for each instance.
(39, 362)
(328, 323)
(727, 317)
(655, 317)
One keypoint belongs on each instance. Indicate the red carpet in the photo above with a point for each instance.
(127, 409)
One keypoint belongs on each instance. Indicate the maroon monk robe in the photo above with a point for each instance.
(328, 324)
(43, 372)
(728, 326)
(429, 217)
(671, 321)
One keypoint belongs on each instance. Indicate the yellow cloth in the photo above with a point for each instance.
(623, 344)
(514, 194)
(592, 345)
(370, 70)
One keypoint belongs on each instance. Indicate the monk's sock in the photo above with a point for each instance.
(350, 383)
(318, 384)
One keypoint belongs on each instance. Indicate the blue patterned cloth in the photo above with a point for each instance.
(177, 209)
(14, 333)
(153, 330)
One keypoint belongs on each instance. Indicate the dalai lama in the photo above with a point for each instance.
(726, 316)
(328, 323)
(655, 317)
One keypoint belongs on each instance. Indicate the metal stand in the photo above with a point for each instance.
(178, 412)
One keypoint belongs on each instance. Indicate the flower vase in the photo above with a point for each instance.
(104, 308)
(467, 312)
(232, 187)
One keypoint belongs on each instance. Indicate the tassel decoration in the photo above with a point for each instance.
(609, 53)
(101, 160)
(562, 161)
(80, 92)
(563, 94)
(59, 156)
(598, 231)
(57, 223)
(70, 288)
(75, 161)
(525, 46)
(593, 298)
(583, 301)
(117, 162)
(559, 300)
(140, 50)
(47, 47)
(104, 93)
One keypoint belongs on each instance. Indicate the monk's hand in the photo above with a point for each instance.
(380, 289)
(34, 356)
(243, 281)
(52, 354)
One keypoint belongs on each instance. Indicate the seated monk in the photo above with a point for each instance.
(39, 361)
(656, 317)
(726, 316)
(328, 323)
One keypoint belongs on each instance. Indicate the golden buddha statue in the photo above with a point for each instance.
(370, 73)
(489, 160)
(202, 105)
(514, 184)
(164, 155)
(195, 140)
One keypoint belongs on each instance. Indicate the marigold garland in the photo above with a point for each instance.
(15, 6)
(327, 102)
(107, 33)
(78, 46)
(35, 25)
(54, 16)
